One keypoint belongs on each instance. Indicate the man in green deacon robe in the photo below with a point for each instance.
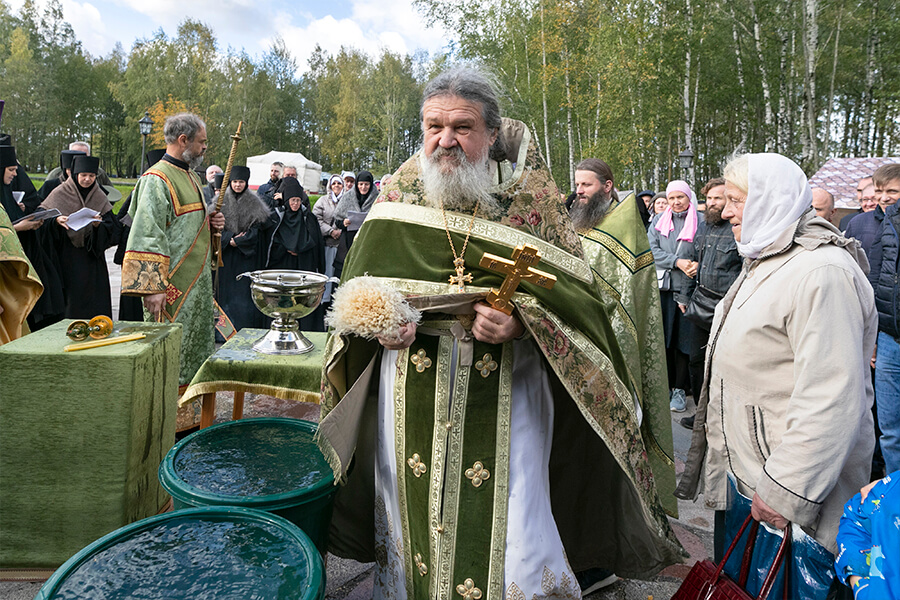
(485, 455)
(614, 239)
(167, 259)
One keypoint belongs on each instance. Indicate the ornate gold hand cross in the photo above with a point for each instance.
(516, 270)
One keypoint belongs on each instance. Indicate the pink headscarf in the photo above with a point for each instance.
(665, 226)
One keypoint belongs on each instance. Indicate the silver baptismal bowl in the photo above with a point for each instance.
(286, 296)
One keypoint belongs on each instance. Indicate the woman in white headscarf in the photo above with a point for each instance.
(324, 210)
(787, 396)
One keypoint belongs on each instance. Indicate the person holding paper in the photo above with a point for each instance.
(81, 243)
(357, 199)
(36, 241)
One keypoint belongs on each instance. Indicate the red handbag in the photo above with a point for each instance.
(706, 581)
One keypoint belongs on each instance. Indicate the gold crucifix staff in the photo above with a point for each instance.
(516, 270)
(226, 178)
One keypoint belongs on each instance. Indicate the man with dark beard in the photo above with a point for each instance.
(594, 193)
(446, 433)
(614, 238)
(167, 259)
(719, 264)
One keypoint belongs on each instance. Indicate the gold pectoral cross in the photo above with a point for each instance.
(461, 278)
(516, 270)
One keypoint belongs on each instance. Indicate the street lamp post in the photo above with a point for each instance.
(146, 125)
(685, 160)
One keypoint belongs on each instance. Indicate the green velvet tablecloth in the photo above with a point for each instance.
(237, 367)
(83, 434)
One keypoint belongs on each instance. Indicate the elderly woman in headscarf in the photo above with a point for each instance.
(81, 252)
(323, 211)
(245, 243)
(785, 412)
(671, 233)
(297, 243)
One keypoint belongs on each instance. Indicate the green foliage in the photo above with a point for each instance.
(598, 78)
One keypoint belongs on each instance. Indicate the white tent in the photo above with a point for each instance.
(308, 172)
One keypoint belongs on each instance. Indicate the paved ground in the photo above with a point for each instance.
(349, 580)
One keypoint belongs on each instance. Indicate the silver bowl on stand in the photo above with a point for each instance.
(286, 296)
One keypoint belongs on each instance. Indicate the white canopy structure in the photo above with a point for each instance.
(308, 172)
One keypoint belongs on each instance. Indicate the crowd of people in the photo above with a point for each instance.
(780, 325)
(274, 227)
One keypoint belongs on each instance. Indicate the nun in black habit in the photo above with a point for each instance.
(66, 158)
(37, 242)
(245, 241)
(81, 253)
(297, 243)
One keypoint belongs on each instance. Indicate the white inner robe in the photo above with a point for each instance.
(536, 564)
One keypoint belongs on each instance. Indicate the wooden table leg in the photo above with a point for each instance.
(238, 411)
(208, 410)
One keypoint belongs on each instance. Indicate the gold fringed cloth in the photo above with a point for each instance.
(237, 367)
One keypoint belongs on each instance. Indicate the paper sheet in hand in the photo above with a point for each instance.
(81, 219)
(356, 220)
(18, 196)
(39, 215)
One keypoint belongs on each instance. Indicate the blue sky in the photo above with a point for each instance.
(367, 25)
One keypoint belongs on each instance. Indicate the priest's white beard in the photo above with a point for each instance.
(466, 184)
(192, 160)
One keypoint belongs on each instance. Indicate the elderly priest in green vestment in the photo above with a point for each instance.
(167, 260)
(485, 455)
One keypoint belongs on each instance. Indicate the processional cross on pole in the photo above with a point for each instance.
(516, 270)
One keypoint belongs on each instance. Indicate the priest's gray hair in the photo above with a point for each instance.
(182, 123)
(469, 84)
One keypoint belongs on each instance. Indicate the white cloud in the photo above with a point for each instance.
(367, 25)
(89, 28)
(371, 27)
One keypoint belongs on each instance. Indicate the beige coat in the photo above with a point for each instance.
(787, 396)
(324, 213)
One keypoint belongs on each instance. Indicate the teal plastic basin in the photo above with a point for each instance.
(270, 464)
(213, 553)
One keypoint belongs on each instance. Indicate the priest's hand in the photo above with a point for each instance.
(154, 304)
(764, 513)
(217, 221)
(404, 339)
(494, 327)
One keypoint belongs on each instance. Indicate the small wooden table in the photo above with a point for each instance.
(237, 367)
